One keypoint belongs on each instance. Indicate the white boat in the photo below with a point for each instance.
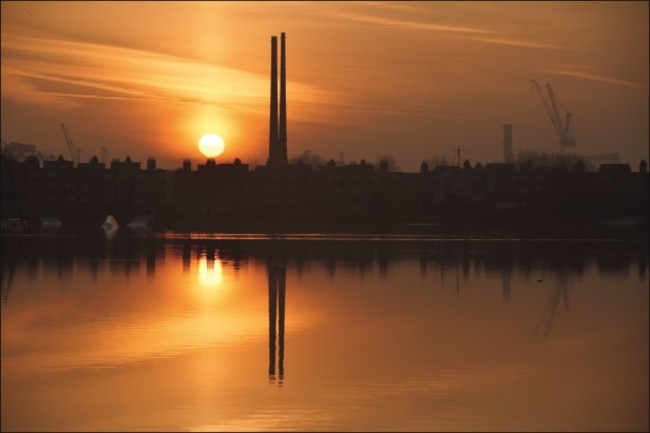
(110, 223)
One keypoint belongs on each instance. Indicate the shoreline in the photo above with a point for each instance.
(631, 229)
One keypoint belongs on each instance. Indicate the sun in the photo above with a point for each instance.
(211, 145)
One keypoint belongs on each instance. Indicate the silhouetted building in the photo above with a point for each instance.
(278, 127)
(91, 187)
(614, 168)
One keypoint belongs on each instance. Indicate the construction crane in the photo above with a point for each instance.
(68, 139)
(562, 127)
(80, 151)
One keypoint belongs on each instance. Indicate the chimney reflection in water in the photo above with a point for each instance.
(277, 278)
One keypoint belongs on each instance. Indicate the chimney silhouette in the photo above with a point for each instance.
(273, 122)
(277, 295)
(278, 128)
(282, 145)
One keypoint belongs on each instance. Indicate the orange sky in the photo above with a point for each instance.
(415, 80)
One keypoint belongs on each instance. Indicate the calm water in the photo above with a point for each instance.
(203, 332)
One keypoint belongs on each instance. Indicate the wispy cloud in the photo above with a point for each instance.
(409, 25)
(458, 31)
(587, 75)
(90, 87)
(397, 6)
(519, 43)
(143, 75)
(351, 113)
(408, 112)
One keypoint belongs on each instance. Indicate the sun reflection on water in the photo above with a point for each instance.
(210, 273)
(209, 288)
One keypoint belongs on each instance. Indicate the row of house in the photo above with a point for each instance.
(92, 190)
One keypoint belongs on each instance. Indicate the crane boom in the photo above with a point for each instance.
(540, 94)
(556, 113)
(79, 152)
(562, 128)
(68, 140)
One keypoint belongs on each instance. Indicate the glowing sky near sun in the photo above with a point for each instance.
(414, 80)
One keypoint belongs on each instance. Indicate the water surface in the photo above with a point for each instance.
(310, 332)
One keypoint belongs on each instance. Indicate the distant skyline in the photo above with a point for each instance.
(412, 79)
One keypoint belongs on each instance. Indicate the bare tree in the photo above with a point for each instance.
(388, 161)
(312, 159)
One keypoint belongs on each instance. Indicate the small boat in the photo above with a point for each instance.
(110, 223)
(13, 225)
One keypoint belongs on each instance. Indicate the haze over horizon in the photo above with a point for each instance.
(410, 79)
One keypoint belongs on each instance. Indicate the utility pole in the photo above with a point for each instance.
(458, 150)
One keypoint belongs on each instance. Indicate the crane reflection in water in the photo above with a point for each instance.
(545, 322)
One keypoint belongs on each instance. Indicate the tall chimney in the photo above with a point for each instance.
(507, 143)
(273, 122)
(282, 144)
